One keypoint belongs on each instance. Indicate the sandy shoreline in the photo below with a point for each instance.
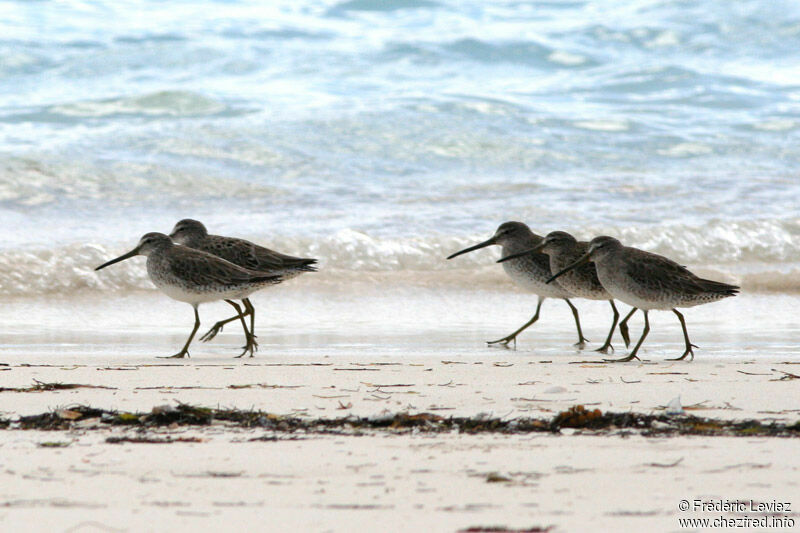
(505, 386)
(410, 350)
(444, 482)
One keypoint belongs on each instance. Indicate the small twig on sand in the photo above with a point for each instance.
(786, 375)
(666, 465)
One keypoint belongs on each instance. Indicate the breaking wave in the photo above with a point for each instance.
(760, 255)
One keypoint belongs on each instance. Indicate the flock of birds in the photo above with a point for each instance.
(602, 269)
(192, 266)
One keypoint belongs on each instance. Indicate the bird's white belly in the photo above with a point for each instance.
(191, 297)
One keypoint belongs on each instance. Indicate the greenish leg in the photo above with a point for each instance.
(623, 328)
(513, 336)
(251, 345)
(689, 345)
(581, 339)
(216, 328)
(185, 351)
(632, 355)
(604, 348)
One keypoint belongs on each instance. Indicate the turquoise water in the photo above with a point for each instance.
(383, 135)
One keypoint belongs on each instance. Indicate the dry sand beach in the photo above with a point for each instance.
(379, 426)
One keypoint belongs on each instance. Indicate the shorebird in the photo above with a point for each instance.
(193, 276)
(246, 254)
(582, 282)
(649, 281)
(530, 271)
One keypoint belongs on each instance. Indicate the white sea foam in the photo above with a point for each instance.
(735, 253)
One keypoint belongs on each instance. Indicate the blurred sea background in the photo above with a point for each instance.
(380, 136)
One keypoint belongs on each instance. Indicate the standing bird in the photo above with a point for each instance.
(246, 254)
(193, 276)
(529, 271)
(582, 282)
(649, 281)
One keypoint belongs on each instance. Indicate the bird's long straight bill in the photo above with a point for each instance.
(123, 257)
(583, 259)
(520, 254)
(484, 244)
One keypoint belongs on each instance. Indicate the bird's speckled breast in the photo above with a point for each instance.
(582, 281)
(531, 272)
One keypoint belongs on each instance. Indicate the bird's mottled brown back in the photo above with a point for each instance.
(203, 269)
(659, 275)
(254, 257)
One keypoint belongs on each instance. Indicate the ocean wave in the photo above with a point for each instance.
(27, 182)
(162, 103)
(762, 256)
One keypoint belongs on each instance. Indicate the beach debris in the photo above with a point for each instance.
(577, 417)
(66, 414)
(151, 440)
(41, 386)
(53, 444)
(494, 477)
(666, 465)
(163, 409)
(674, 407)
(383, 386)
(787, 376)
(264, 386)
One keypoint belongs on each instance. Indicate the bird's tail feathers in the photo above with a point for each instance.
(718, 287)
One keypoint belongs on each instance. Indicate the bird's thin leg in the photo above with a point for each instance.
(251, 345)
(623, 328)
(513, 336)
(216, 328)
(185, 350)
(632, 355)
(581, 339)
(604, 348)
(252, 310)
(689, 345)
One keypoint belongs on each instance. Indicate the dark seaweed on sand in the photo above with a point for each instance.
(576, 418)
